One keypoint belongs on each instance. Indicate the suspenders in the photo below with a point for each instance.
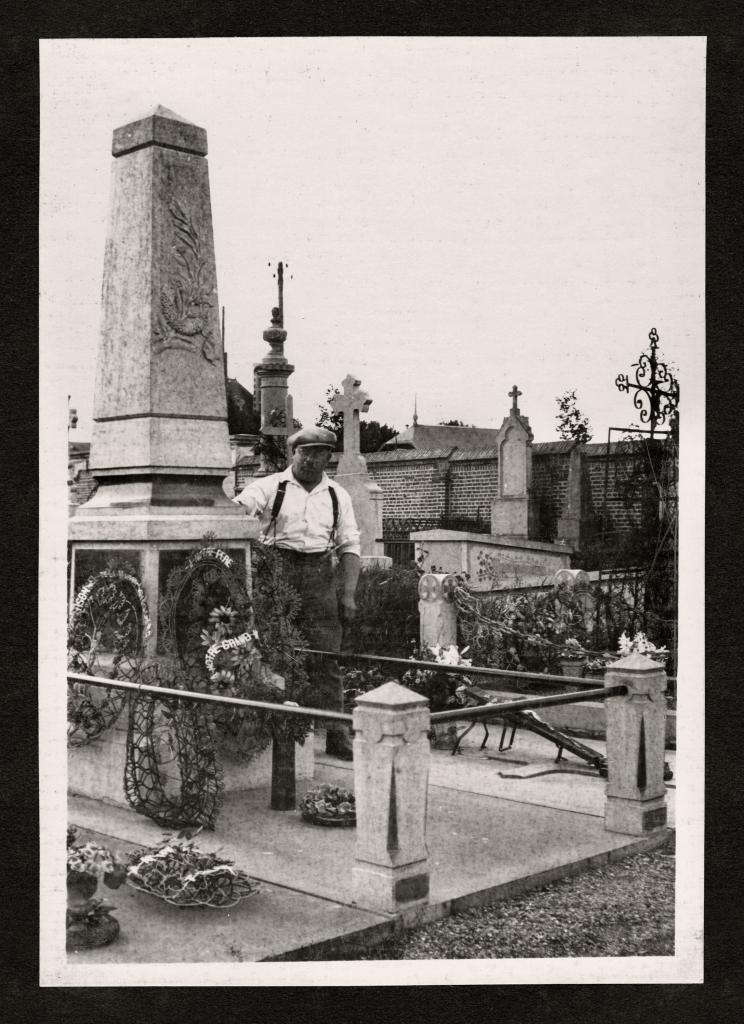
(279, 499)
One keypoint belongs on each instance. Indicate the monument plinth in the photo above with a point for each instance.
(160, 444)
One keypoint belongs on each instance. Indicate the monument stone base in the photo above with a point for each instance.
(96, 770)
(391, 889)
(492, 562)
(635, 817)
(150, 527)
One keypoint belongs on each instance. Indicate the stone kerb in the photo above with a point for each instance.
(636, 794)
(437, 612)
(391, 771)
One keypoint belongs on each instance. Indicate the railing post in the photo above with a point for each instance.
(636, 722)
(437, 612)
(391, 772)
(283, 774)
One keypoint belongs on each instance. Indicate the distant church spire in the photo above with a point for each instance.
(415, 410)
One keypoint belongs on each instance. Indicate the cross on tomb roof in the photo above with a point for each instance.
(350, 403)
(514, 395)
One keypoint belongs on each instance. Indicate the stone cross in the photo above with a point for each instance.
(352, 402)
(514, 395)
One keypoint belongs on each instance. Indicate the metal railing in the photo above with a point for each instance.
(551, 701)
(206, 698)
(465, 670)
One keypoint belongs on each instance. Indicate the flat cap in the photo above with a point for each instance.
(312, 436)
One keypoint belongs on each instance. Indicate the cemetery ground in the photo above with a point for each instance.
(624, 909)
(521, 866)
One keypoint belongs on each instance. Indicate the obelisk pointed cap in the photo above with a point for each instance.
(161, 127)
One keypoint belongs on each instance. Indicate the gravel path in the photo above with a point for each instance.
(625, 909)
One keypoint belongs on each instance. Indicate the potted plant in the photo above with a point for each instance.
(595, 667)
(438, 686)
(89, 919)
(572, 657)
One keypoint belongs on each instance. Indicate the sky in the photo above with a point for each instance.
(457, 215)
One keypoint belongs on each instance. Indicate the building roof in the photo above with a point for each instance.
(240, 417)
(423, 436)
(408, 454)
(78, 449)
(553, 447)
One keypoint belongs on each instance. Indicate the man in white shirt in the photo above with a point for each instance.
(309, 521)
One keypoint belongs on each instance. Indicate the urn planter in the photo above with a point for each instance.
(90, 923)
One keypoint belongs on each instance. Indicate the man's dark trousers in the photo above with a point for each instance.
(314, 577)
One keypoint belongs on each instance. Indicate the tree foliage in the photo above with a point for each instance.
(453, 423)
(572, 425)
(372, 435)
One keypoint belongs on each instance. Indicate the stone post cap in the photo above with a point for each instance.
(435, 585)
(574, 578)
(392, 696)
(636, 662)
(161, 127)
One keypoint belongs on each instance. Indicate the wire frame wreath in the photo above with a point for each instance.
(208, 579)
(208, 624)
(172, 774)
(107, 629)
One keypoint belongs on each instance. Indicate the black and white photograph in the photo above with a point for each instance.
(377, 565)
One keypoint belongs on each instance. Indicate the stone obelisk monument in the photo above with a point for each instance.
(160, 444)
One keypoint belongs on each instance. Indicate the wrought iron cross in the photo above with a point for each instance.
(514, 395)
(650, 378)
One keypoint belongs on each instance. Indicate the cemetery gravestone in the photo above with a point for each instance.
(351, 473)
(512, 511)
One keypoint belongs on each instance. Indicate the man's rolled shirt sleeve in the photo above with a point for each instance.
(253, 497)
(347, 531)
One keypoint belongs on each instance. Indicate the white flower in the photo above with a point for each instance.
(640, 644)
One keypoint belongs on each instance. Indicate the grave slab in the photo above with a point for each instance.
(488, 838)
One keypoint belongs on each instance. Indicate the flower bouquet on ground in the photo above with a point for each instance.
(89, 920)
(177, 872)
(329, 805)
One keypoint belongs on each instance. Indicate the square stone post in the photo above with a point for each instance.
(391, 771)
(636, 795)
(437, 612)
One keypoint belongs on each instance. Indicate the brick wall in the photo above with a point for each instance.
(473, 486)
(620, 465)
(550, 486)
(82, 488)
(412, 488)
(452, 484)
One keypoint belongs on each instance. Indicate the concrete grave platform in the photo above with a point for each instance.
(489, 837)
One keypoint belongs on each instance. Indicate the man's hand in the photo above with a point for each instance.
(350, 566)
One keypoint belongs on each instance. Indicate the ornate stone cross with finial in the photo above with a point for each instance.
(277, 313)
(514, 395)
(351, 402)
